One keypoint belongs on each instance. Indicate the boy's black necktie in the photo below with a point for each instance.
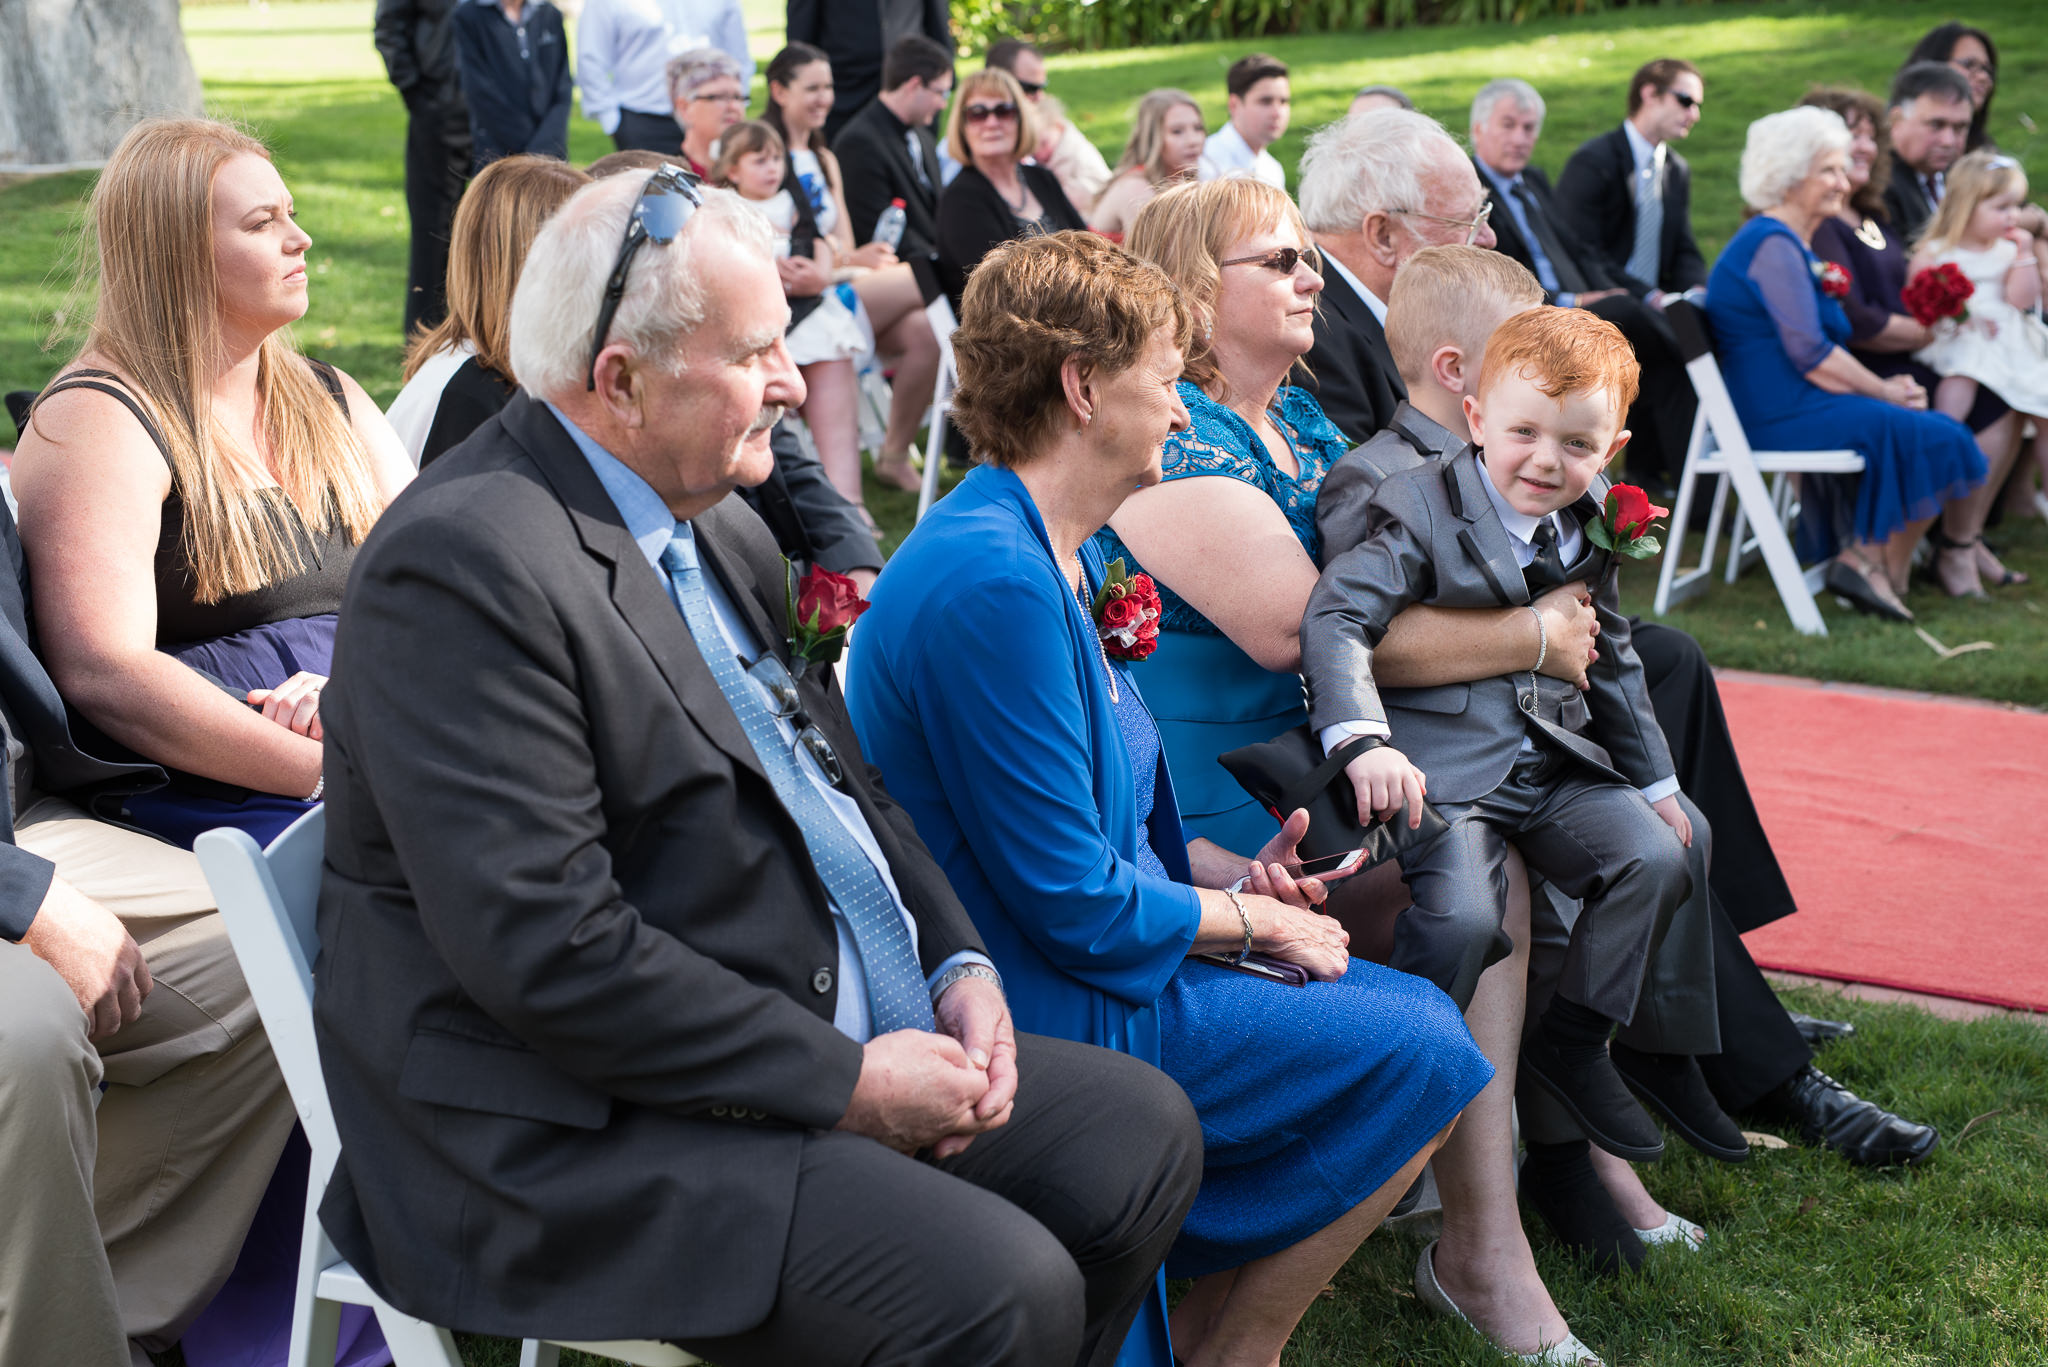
(1546, 571)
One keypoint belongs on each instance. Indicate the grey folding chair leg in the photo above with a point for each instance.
(534, 1353)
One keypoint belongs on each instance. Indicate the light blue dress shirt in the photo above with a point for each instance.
(652, 527)
(1546, 274)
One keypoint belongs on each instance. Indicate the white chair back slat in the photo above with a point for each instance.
(939, 312)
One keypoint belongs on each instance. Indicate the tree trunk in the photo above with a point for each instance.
(75, 75)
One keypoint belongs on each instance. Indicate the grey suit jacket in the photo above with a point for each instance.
(1434, 537)
(1412, 438)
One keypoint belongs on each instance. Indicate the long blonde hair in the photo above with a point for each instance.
(158, 321)
(1972, 180)
(1185, 230)
(1146, 150)
(494, 225)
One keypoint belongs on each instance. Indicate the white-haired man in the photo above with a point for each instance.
(644, 1012)
(1507, 119)
(1375, 189)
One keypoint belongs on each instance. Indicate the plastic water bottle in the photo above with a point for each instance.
(889, 227)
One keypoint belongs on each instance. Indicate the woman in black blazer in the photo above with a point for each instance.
(996, 197)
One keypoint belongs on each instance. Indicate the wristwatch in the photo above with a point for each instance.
(959, 971)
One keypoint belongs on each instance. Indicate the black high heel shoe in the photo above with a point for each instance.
(1843, 581)
(1944, 544)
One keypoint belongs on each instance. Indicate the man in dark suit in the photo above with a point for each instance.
(123, 1211)
(1355, 212)
(856, 35)
(1628, 195)
(1507, 119)
(644, 1011)
(1929, 121)
(417, 41)
(887, 152)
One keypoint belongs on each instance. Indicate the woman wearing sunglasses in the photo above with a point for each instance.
(996, 197)
(992, 689)
(709, 92)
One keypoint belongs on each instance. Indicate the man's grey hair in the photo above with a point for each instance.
(561, 288)
(1782, 149)
(691, 71)
(1511, 88)
(1385, 92)
(1371, 162)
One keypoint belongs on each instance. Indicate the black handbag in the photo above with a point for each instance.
(1290, 771)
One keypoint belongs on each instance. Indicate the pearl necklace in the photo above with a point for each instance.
(1089, 617)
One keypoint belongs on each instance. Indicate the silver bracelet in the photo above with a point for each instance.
(1542, 639)
(1245, 917)
(318, 788)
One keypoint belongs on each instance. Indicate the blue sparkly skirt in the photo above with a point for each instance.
(1310, 1098)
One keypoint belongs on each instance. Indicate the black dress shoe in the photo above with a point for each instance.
(1845, 583)
(1559, 1181)
(1830, 1115)
(1673, 1086)
(1817, 1032)
(1594, 1095)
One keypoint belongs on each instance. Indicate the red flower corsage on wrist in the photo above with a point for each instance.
(1833, 279)
(1127, 613)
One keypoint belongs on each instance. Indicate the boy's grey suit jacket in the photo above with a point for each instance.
(1434, 537)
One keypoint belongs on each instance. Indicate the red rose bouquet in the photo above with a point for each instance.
(1623, 529)
(823, 607)
(1833, 279)
(1127, 612)
(1938, 292)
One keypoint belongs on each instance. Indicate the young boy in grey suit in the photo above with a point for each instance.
(1580, 781)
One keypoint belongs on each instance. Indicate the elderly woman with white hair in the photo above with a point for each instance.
(1779, 331)
(709, 91)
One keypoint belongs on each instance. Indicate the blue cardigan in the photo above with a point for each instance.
(977, 687)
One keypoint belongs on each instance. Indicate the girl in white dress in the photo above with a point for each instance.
(2002, 343)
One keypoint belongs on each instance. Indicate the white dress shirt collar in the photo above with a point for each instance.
(1522, 527)
(1648, 155)
(1372, 301)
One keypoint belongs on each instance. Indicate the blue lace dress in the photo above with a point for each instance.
(1772, 325)
(1208, 696)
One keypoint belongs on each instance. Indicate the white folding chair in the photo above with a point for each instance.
(939, 311)
(1720, 449)
(267, 898)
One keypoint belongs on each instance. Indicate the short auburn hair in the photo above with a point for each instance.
(1563, 351)
(1030, 305)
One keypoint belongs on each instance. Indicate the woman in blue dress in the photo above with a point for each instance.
(987, 695)
(1780, 340)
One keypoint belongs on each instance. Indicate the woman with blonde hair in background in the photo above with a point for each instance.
(459, 374)
(1165, 144)
(193, 488)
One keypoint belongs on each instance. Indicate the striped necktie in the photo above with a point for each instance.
(1648, 254)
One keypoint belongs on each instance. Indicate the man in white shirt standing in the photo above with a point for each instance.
(622, 53)
(1259, 101)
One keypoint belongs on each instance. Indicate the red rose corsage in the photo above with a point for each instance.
(1127, 613)
(1833, 279)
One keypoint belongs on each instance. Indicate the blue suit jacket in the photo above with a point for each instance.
(977, 688)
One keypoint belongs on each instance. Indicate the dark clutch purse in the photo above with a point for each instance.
(1290, 771)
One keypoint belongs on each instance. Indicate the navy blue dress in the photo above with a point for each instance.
(1772, 324)
(980, 691)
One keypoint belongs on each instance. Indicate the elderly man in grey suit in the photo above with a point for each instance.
(1577, 780)
(644, 1011)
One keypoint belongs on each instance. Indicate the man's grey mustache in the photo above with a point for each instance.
(769, 416)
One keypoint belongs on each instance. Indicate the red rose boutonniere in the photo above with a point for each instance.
(1623, 529)
(1127, 613)
(823, 607)
(1833, 279)
(1936, 293)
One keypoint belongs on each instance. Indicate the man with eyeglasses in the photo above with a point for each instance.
(644, 1012)
(1628, 195)
(1928, 116)
(1375, 189)
(1507, 120)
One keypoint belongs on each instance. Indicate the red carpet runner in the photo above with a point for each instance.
(1912, 831)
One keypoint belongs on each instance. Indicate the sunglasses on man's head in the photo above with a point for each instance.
(665, 205)
(982, 113)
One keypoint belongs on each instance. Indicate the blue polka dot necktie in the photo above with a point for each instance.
(897, 997)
